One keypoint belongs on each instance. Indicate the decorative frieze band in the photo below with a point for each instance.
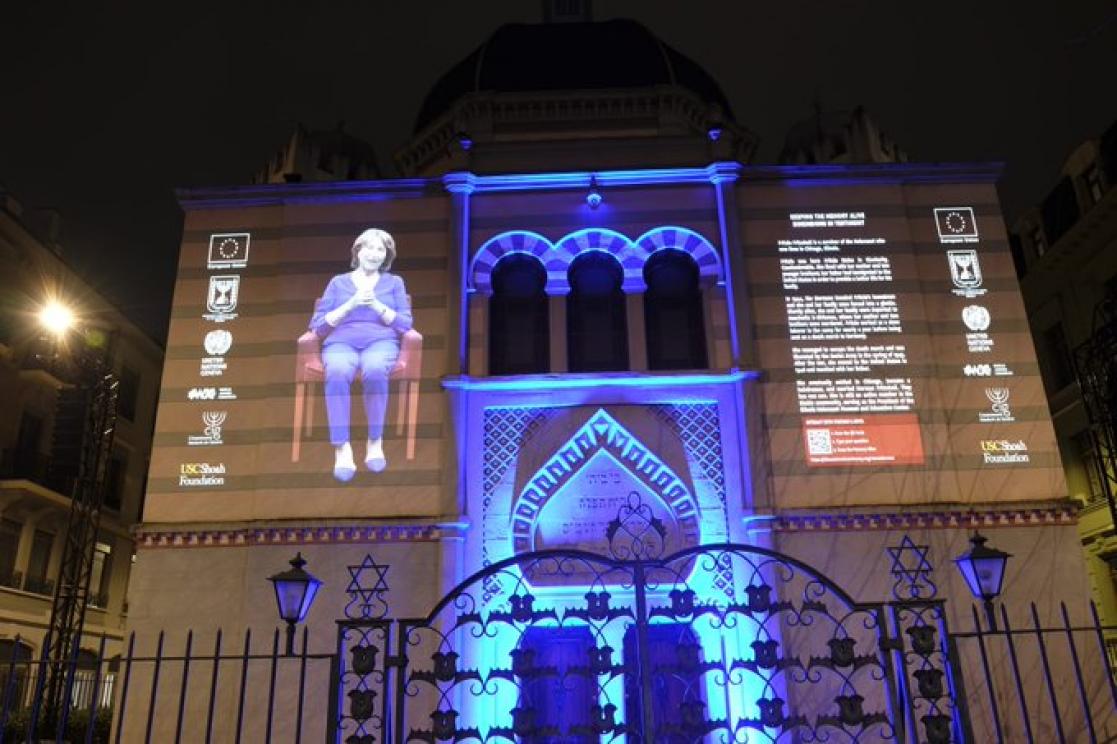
(255, 536)
(921, 520)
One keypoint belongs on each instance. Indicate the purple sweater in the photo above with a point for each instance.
(362, 326)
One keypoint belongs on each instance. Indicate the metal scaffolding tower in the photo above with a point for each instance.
(84, 426)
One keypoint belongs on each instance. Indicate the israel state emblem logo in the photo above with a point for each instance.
(965, 271)
(221, 301)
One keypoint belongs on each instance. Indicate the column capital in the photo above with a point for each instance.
(461, 182)
(724, 171)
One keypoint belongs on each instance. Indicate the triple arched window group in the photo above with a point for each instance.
(595, 270)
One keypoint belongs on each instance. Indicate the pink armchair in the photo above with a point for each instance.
(308, 370)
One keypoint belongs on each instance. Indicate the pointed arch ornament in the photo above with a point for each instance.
(603, 434)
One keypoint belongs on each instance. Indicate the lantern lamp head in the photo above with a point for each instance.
(983, 568)
(295, 590)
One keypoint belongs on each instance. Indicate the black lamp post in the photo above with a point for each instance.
(983, 568)
(295, 590)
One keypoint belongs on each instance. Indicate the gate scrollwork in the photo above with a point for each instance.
(646, 647)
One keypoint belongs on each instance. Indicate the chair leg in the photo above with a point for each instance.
(297, 428)
(308, 420)
(412, 416)
(401, 413)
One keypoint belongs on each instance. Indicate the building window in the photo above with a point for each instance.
(15, 661)
(1056, 353)
(100, 574)
(1094, 189)
(1039, 245)
(127, 393)
(114, 480)
(9, 544)
(676, 333)
(27, 462)
(596, 323)
(1087, 452)
(39, 563)
(519, 317)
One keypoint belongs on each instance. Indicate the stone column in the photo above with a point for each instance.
(556, 313)
(461, 187)
(723, 176)
(637, 335)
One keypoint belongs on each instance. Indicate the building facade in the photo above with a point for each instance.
(1066, 249)
(591, 301)
(36, 369)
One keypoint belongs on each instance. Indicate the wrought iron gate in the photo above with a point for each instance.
(724, 642)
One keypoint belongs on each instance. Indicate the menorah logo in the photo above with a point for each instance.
(211, 429)
(213, 421)
(998, 405)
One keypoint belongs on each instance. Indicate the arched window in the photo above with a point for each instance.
(519, 341)
(15, 658)
(676, 335)
(596, 327)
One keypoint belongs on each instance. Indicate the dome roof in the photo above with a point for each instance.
(619, 53)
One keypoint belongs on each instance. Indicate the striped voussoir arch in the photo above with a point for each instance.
(688, 241)
(498, 246)
(606, 241)
(557, 257)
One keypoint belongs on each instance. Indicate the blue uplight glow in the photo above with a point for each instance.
(534, 383)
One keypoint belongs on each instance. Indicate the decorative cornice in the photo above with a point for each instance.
(863, 173)
(939, 520)
(279, 535)
(272, 194)
(230, 197)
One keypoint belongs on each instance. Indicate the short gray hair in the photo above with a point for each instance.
(375, 234)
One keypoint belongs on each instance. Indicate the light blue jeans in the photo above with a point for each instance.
(341, 362)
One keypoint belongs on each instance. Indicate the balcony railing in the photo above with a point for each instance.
(11, 579)
(39, 585)
(32, 584)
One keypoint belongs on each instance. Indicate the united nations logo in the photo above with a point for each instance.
(218, 342)
(975, 317)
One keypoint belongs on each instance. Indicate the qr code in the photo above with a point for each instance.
(818, 442)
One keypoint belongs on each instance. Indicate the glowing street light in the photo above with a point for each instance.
(56, 317)
(983, 568)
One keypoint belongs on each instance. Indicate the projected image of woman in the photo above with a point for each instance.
(360, 318)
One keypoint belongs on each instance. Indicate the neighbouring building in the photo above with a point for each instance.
(1066, 252)
(36, 466)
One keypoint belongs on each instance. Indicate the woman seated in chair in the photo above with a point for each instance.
(360, 318)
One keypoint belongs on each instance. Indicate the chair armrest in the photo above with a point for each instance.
(410, 362)
(308, 354)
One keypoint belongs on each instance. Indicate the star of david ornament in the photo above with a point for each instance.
(912, 569)
(368, 582)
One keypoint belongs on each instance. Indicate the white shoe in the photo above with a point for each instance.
(374, 460)
(344, 467)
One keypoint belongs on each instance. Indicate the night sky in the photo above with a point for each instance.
(105, 110)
